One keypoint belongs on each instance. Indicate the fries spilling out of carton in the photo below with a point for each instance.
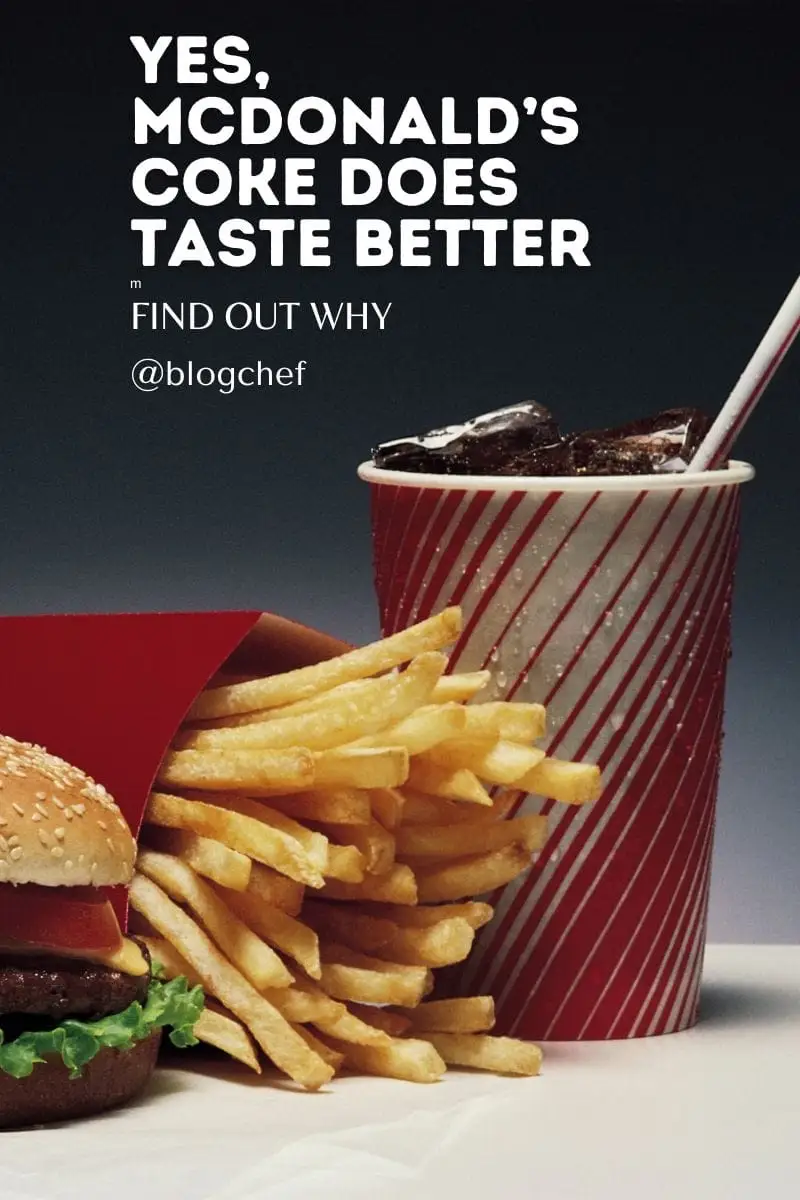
(313, 848)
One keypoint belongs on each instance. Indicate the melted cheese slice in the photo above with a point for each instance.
(127, 957)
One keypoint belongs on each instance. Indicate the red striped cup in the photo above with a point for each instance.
(608, 599)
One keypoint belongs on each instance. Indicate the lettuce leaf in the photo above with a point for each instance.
(169, 1003)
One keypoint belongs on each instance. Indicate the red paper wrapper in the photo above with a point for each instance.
(108, 692)
(609, 601)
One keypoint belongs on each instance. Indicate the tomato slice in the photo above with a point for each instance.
(58, 918)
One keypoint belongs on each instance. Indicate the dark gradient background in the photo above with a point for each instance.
(686, 171)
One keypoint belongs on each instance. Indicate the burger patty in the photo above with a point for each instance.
(62, 987)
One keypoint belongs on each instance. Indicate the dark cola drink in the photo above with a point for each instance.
(524, 439)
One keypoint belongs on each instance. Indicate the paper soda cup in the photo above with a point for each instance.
(608, 600)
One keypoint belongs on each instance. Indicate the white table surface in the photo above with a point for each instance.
(710, 1113)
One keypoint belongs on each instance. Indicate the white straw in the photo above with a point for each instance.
(716, 446)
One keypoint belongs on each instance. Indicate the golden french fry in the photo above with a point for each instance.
(345, 955)
(272, 1032)
(432, 634)
(397, 886)
(292, 937)
(449, 783)
(238, 770)
(204, 855)
(568, 782)
(357, 689)
(275, 890)
(337, 723)
(375, 844)
(448, 941)
(509, 720)
(344, 767)
(421, 916)
(298, 1006)
(468, 1014)
(503, 1056)
(403, 1058)
(338, 1021)
(393, 1023)
(343, 806)
(422, 730)
(459, 688)
(314, 844)
(248, 836)
(504, 762)
(475, 837)
(346, 863)
(218, 1028)
(257, 961)
(169, 959)
(457, 878)
(420, 809)
(344, 982)
(387, 806)
(334, 1058)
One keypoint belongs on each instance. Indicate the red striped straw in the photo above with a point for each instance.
(718, 442)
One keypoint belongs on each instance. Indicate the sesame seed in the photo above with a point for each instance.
(67, 864)
(13, 840)
(102, 825)
(41, 809)
(41, 795)
(109, 843)
(44, 838)
(18, 809)
(58, 803)
(3, 844)
(80, 809)
(36, 816)
(16, 854)
(57, 851)
(69, 814)
(59, 833)
(3, 822)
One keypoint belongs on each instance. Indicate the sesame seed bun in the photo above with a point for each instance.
(57, 826)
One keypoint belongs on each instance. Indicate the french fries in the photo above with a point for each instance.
(218, 1028)
(468, 1014)
(503, 1056)
(433, 634)
(257, 961)
(207, 857)
(471, 876)
(314, 849)
(228, 770)
(220, 978)
(249, 836)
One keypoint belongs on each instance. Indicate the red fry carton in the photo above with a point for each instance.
(108, 692)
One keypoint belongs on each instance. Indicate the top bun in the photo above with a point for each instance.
(57, 826)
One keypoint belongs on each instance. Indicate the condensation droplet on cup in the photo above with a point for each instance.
(670, 701)
(617, 721)
(501, 679)
(494, 656)
(518, 575)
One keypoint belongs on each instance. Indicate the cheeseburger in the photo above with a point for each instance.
(81, 1006)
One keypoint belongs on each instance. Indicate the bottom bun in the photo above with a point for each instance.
(48, 1094)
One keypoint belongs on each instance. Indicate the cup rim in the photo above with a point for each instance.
(735, 472)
